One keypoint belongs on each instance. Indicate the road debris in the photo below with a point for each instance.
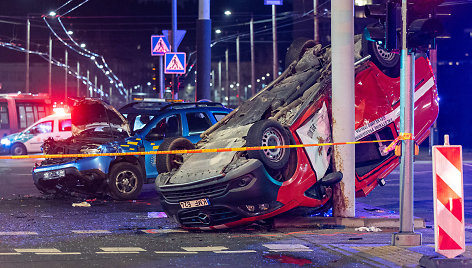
(368, 229)
(83, 204)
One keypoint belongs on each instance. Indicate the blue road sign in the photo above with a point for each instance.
(273, 2)
(175, 63)
(179, 36)
(159, 45)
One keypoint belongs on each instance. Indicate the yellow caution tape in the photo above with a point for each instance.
(403, 136)
(393, 144)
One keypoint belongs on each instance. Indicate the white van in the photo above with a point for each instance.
(57, 126)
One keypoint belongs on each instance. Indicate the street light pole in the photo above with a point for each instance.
(219, 82)
(203, 50)
(28, 27)
(78, 79)
(253, 63)
(227, 77)
(50, 68)
(175, 89)
(65, 77)
(238, 73)
(88, 86)
(315, 22)
(274, 44)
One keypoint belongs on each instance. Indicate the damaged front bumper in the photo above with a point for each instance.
(87, 174)
(243, 195)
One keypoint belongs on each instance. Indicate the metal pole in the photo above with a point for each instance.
(65, 77)
(212, 85)
(316, 28)
(28, 27)
(219, 82)
(433, 131)
(228, 93)
(342, 32)
(162, 86)
(78, 79)
(175, 94)
(253, 63)
(275, 67)
(406, 235)
(203, 50)
(50, 68)
(101, 91)
(238, 71)
(110, 94)
(88, 85)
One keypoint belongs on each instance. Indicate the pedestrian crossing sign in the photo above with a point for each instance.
(175, 63)
(159, 45)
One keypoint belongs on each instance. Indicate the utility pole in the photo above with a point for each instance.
(342, 53)
(238, 71)
(274, 44)
(78, 79)
(50, 68)
(65, 77)
(253, 63)
(88, 85)
(228, 93)
(101, 92)
(28, 32)
(406, 235)
(110, 94)
(95, 88)
(219, 82)
(316, 28)
(175, 88)
(203, 50)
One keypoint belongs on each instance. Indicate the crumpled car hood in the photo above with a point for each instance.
(88, 113)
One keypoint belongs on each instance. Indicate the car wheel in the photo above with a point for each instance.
(269, 133)
(18, 149)
(169, 162)
(125, 181)
(387, 61)
(296, 50)
(45, 187)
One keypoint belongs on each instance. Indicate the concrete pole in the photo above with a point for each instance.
(406, 235)
(28, 33)
(342, 53)
(175, 89)
(275, 67)
(50, 68)
(78, 79)
(228, 93)
(203, 50)
(253, 63)
(66, 56)
(162, 86)
(238, 71)
(88, 85)
(219, 82)
(316, 29)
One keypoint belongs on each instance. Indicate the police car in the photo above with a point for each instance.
(57, 126)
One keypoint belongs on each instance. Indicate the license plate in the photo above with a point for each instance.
(195, 203)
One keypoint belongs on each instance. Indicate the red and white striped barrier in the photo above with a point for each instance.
(449, 229)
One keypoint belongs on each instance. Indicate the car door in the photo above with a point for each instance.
(40, 132)
(167, 126)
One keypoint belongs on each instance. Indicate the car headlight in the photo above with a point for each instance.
(5, 141)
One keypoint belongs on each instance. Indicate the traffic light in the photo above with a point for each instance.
(423, 26)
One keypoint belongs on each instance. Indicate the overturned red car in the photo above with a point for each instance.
(221, 190)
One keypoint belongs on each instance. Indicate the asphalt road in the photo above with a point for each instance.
(38, 231)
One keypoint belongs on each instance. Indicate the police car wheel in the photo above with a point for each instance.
(169, 162)
(269, 133)
(125, 181)
(18, 149)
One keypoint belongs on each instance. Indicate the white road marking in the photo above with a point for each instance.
(175, 252)
(163, 231)
(236, 251)
(216, 248)
(122, 249)
(18, 233)
(37, 250)
(58, 253)
(287, 247)
(9, 253)
(117, 252)
(91, 231)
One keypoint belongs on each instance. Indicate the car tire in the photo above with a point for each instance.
(168, 162)
(44, 188)
(269, 133)
(18, 149)
(388, 62)
(125, 181)
(296, 50)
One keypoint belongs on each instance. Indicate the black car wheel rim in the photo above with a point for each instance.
(126, 182)
(273, 137)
